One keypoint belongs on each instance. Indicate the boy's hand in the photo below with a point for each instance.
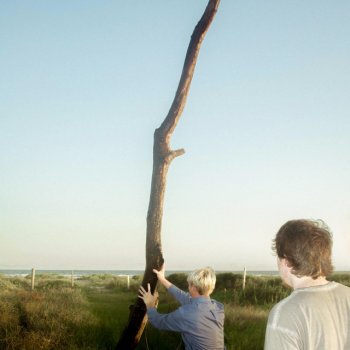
(160, 274)
(150, 300)
(161, 277)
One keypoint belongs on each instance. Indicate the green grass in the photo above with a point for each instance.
(245, 327)
(111, 311)
(93, 314)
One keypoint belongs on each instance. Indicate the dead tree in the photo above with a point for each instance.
(162, 157)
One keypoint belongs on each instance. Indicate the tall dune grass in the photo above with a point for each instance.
(50, 318)
(92, 314)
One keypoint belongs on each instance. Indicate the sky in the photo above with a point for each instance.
(266, 128)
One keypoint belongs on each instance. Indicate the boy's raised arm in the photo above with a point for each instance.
(161, 277)
(181, 296)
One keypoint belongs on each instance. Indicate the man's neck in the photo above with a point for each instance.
(307, 281)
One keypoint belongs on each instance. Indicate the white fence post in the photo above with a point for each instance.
(244, 277)
(128, 281)
(33, 278)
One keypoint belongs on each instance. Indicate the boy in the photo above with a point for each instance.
(200, 319)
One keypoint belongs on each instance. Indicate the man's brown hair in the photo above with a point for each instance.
(307, 247)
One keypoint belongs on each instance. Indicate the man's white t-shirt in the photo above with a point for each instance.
(312, 318)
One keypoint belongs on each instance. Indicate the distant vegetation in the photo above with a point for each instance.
(92, 314)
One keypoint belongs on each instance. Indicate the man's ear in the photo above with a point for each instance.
(288, 264)
(284, 262)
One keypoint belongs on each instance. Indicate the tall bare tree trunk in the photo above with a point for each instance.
(162, 157)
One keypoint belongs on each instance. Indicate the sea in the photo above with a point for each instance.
(80, 273)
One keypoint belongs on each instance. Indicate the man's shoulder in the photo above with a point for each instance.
(342, 291)
(285, 310)
(287, 303)
(307, 298)
(342, 287)
(332, 287)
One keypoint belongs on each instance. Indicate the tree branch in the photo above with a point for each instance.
(174, 114)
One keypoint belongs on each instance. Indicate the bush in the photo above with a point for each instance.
(179, 280)
(46, 319)
(228, 280)
(259, 290)
(343, 278)
(6, 284)
(53, 284)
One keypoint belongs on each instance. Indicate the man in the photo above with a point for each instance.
(200, 319)
(317, 313)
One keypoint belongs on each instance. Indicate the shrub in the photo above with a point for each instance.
(6, 284)
(343, 278)
(45, 319)
(259, 290)
(228, 280)
(179, 279)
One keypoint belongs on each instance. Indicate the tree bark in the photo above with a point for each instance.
(162, 157)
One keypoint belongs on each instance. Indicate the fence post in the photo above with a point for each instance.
(72, 279)
(244, 277)
(33, 278)
(128, 281)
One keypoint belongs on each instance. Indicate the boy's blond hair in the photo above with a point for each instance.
(203, 279)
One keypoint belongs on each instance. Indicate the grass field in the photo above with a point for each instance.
(93, 313)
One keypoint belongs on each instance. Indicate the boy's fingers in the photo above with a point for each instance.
(149, 287)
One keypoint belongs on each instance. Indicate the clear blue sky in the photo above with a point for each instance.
(266, 130)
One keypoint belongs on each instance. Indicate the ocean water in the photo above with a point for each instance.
(78, 273)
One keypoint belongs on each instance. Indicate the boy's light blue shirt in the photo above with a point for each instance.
(200, 321)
